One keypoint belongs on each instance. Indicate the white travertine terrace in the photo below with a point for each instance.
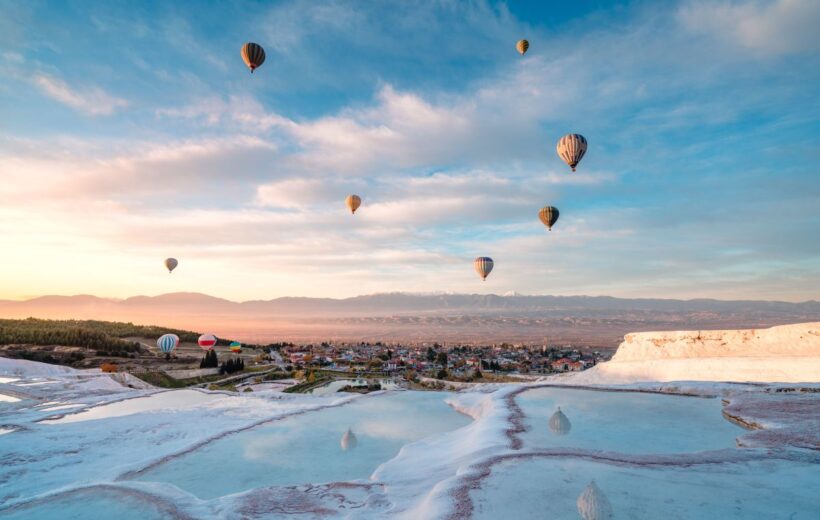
(786, 354)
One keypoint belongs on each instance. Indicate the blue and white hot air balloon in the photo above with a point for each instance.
(167, 343)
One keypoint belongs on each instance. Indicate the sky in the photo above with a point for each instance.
(132, 131)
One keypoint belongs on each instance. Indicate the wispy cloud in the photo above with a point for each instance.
(89, 100)
(768, 28)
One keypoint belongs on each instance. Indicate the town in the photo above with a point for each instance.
(458, 362)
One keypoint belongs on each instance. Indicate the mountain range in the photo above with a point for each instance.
(593, 320)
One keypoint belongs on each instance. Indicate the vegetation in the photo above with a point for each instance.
(163, 380)
(273, 376)
(307, 385)
(231, 366)
(160, 379)
(104, 336)
(361, 389)
(210, 360)
(100, 336)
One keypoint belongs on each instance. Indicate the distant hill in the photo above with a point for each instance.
(422, 317)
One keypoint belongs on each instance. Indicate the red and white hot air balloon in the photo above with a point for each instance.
(207, 341)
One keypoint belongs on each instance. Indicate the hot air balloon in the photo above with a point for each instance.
(236, 347)
(349, 440)
(207, 341)
(548, 215)
(167, 343)
(522, 46)
(593, 504)
(171, 264)
(483, 265)
(353, 202)
(559, 424)
(253, 55)
(571, 149)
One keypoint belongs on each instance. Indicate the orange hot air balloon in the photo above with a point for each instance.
(353, 202)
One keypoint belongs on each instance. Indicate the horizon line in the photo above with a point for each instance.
(402, 293)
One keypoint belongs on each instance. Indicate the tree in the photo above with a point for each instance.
(477, 374)
(431, 354)
(442, 374)
(441, 359)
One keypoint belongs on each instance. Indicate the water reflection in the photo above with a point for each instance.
(263, 456)
(349, 440)
(559, 423)
(593, 504)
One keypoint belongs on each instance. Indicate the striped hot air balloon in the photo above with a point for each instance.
(571, 149)
(522, 46)
(236, 347)
(253, 55)
(171, 264)
(548, 215)
(207, 341)
(483, 265)
(167, 343)
(353, 202)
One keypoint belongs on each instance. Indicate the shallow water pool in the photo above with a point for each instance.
(83, 505)
(550, 488)
(306, 448)
(625, 422)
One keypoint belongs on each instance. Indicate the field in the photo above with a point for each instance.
(91, 343)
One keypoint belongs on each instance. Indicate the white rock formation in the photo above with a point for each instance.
(798, 340)
(785, 354)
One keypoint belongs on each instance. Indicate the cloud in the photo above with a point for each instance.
(93, 101)
(89, 100)
(697, 168)
(768, 28)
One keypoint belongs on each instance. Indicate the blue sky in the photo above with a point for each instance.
(132, 131)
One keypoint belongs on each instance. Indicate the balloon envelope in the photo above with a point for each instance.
(167, 342)
(483, 265)
(548, 215)
(253, 55)
(207, 341)
(571, 149)
(522, 46)
(171, 264)
(236, 346)
(353, 202)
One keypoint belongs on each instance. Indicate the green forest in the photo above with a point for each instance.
(102, 336)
